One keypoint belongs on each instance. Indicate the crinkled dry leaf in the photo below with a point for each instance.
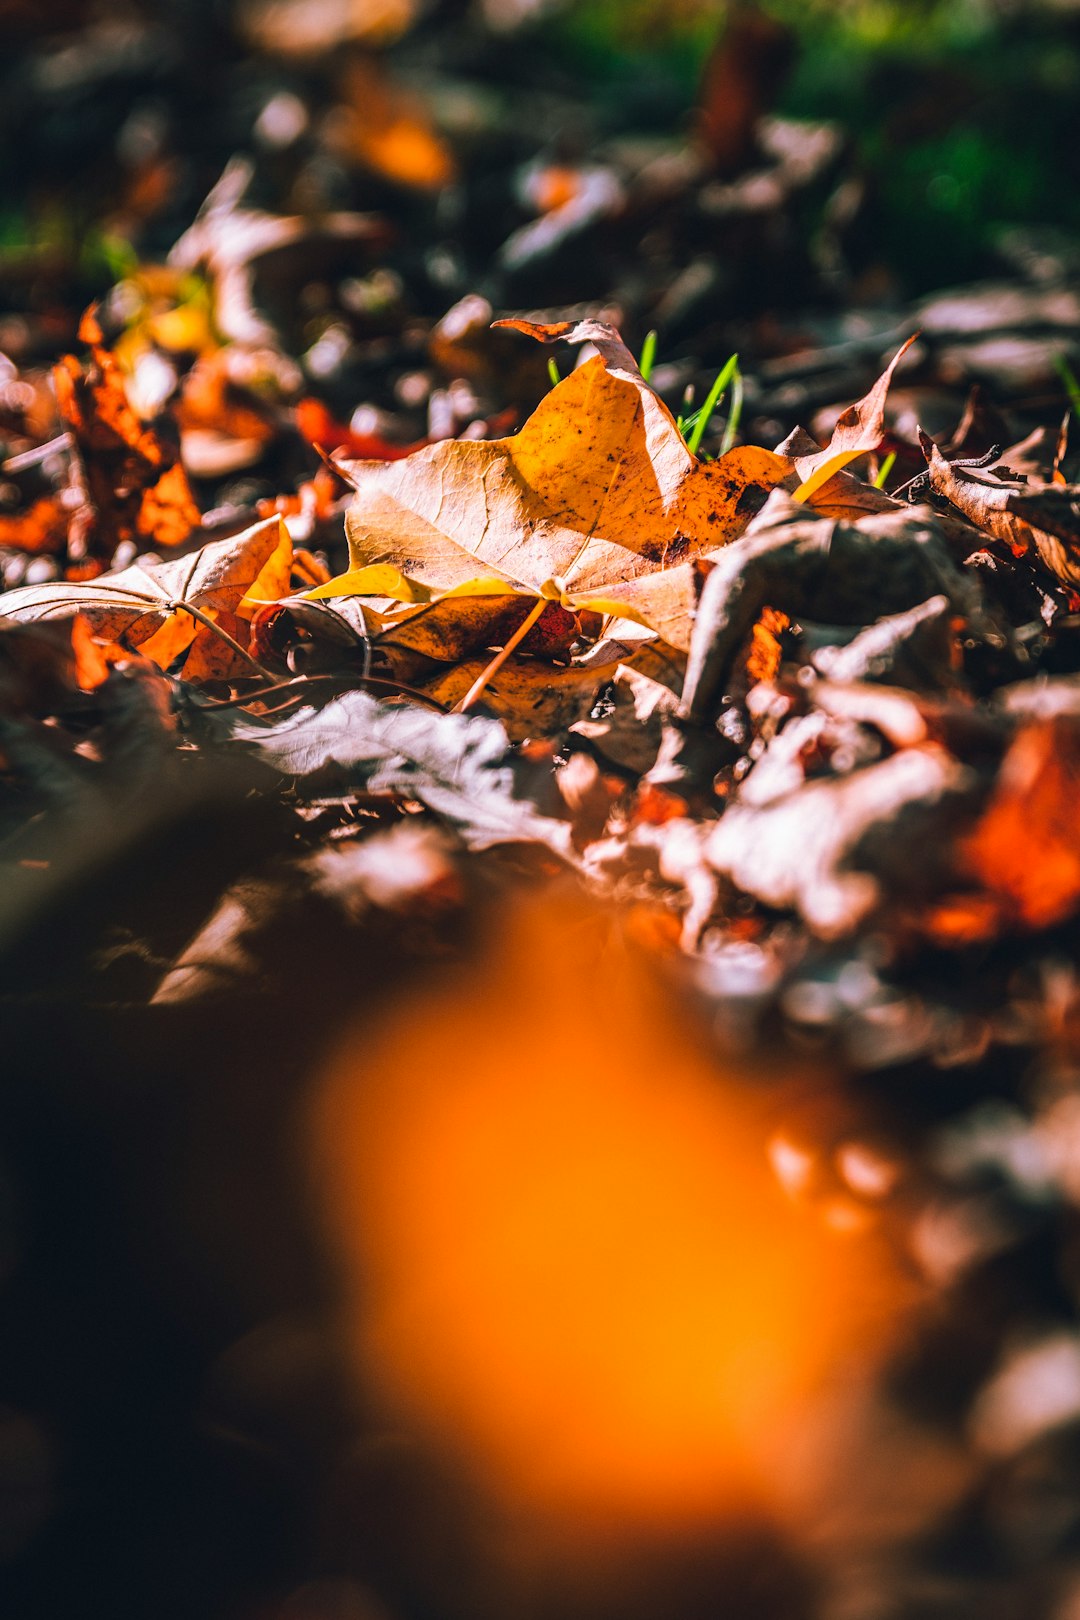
(596, 491)
(858, 430)
(1045, 521)
(144, 605)
(808, 851)
(826, 571)
(459, 766)
(628, 733)
(137, 488)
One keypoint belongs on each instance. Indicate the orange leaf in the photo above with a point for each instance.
(858, 430)
(597, 491)
(137, 489)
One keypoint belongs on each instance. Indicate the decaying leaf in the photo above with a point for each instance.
(858, 430)
(914, 648)
(200, 604)
(629, 731)
(136, 486)
(819, 569)
(459, 766)
(809, 849)
(1045, 521)
(597, 490)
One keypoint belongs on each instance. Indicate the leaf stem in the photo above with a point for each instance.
(500, 658)
(204, 618)
(299, 685)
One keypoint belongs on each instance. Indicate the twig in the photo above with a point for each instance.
(40, 453)
(297, 685)
(500, 658)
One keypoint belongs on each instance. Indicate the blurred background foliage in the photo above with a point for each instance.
(962, 114)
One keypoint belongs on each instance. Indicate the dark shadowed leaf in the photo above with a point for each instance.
(461, 767)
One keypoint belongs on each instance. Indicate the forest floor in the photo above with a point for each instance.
(522, 596)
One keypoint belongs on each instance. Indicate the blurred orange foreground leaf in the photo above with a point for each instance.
(569, 1269)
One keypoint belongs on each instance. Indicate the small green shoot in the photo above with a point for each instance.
(553, 372)
(648, 356)
(687, 401)
(736, 411)
(1068, 377)
(693, 428)
(885, 469)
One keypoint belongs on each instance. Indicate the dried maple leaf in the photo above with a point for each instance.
(595, 503)
(201, 604)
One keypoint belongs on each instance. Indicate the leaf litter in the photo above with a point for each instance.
(816, 744)
(603, 592)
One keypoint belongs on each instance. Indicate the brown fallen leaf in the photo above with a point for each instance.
(136, 487)
(842, 495)
(231, 240)
(201, 604)
(461, 622)
(37, 668)
(834, 848)
(570, 203)
(1044, 521)
(596, 503)
(825, 571)
(42, 527)
(858, 430)
(595, 495)
(386, 128)
(742, 77)
(629, 732)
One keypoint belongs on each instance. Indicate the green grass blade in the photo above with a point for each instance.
(1068, 377)
(553, 372)
(648, 355)
(712, 400)
(736, 412)
(885, 469)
